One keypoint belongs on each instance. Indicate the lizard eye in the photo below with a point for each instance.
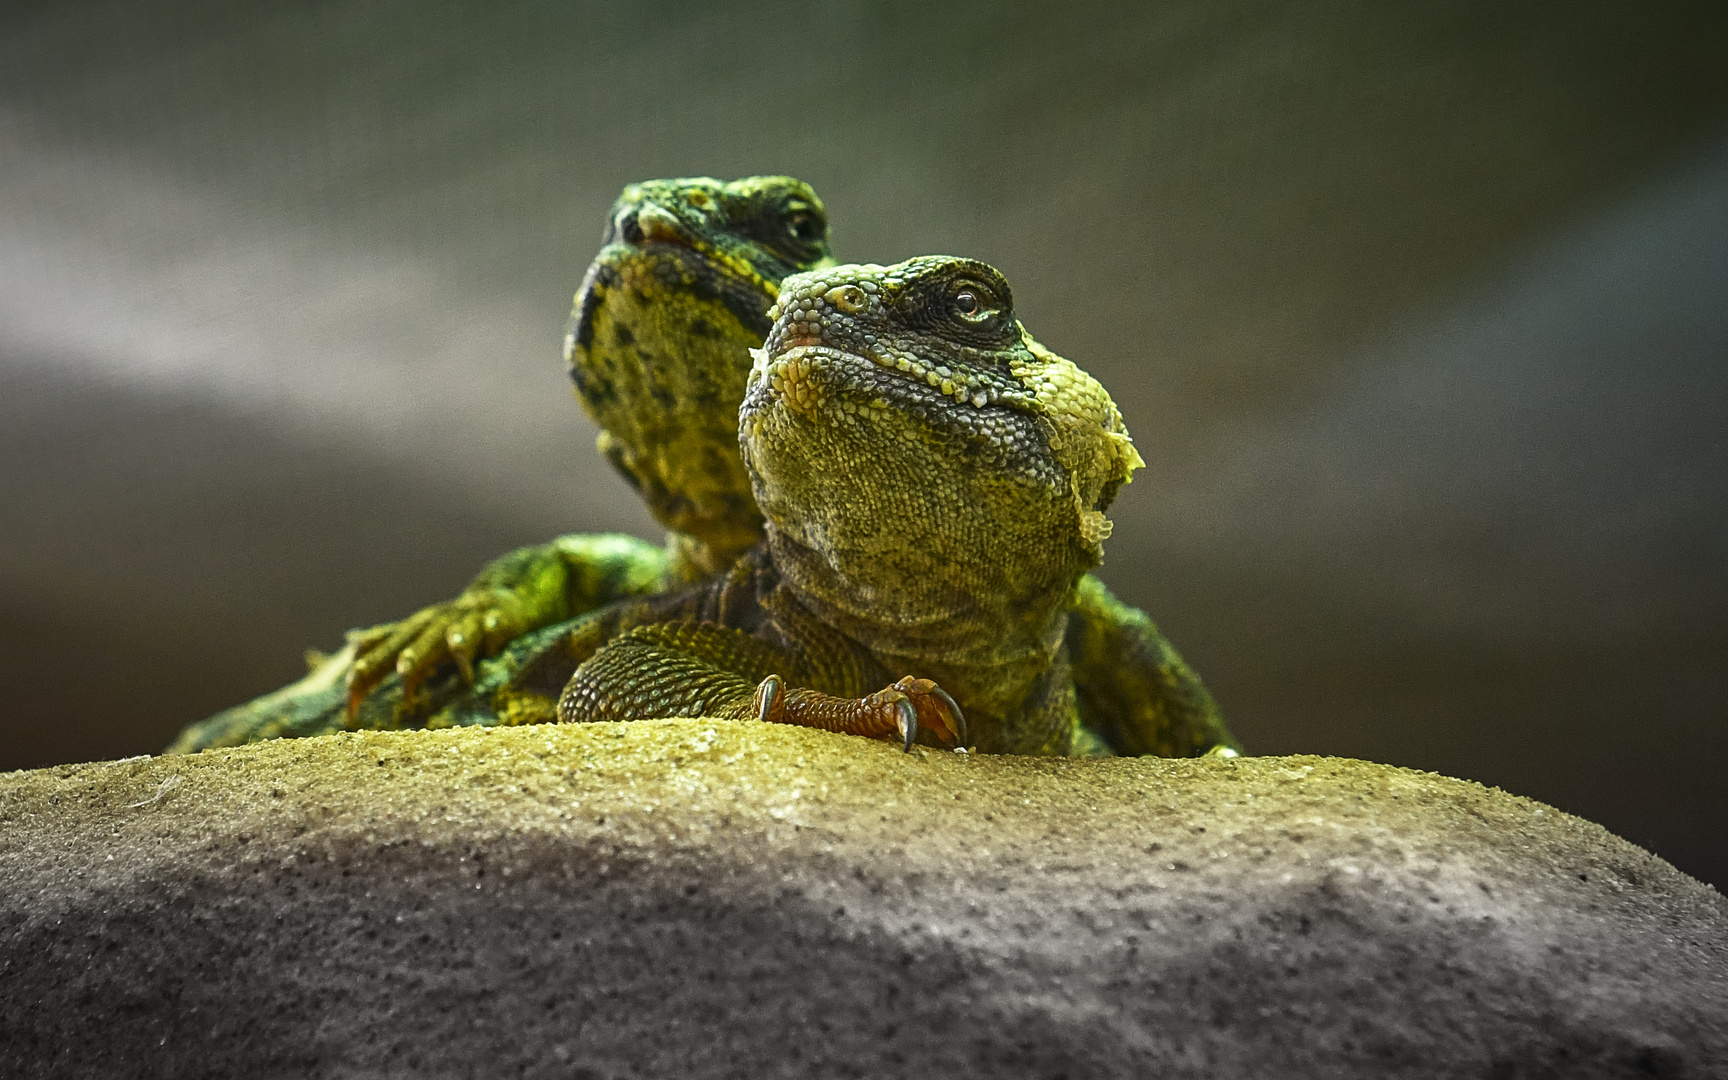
(803, 224)
(972, 306)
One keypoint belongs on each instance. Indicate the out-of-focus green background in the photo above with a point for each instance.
(1418, 311)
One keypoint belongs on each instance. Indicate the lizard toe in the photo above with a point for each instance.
(906, 722)
(770, 699)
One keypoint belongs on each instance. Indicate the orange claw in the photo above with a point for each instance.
(932, 703)
(895, 710)
(415, 648)
(375, 653)
(359, 684)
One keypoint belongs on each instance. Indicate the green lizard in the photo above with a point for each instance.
(934, 483)
(658, 348)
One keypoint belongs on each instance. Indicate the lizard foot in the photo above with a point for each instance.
(473, 626)
(897, 710)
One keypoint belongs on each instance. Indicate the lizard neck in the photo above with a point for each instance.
(972, 616)
(990, 635)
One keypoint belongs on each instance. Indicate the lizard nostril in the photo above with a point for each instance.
(654, 222)
(627, 228)
(846, 297)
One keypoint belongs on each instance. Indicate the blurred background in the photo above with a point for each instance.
(1418, 312)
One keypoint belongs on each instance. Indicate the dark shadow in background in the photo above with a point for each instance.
(1414, 309)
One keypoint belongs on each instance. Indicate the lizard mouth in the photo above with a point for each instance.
(646, 232)
(705, 272)
(794, 375)
(648, 226)
(802, 369)
(833, 393)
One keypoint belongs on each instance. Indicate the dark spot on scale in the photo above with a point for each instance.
(706, 282)
(622, 335)
(749, 307)
(701, 327)
(619, 460)
(669, 273)
(597, 390)
(588, 302)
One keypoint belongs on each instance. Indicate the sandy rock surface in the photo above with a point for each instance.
(695, 899)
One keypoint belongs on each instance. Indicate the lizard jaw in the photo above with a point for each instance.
(655, 224)
(790, 376)
(788, 369)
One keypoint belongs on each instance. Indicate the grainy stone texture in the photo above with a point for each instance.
(694, 899)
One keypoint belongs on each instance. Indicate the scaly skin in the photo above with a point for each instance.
(934, 483)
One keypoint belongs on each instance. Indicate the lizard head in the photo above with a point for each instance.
(658, 340)
(909, 438)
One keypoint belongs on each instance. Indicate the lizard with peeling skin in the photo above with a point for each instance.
(934, 482)
(658, 349)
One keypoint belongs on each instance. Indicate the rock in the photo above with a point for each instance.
(695, 898)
